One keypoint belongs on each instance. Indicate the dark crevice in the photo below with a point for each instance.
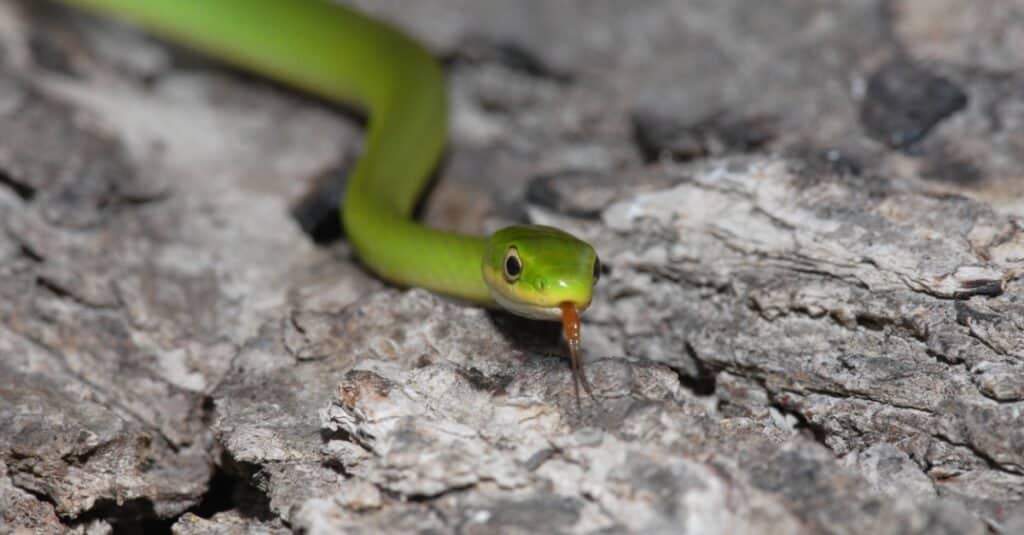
(484, 383)
(872, 322)
(57, 290)
(23, 191)
(31, 254)
(803, 425)
(704, 383)
(145, 526)
(327, 435)
(218, 494)
(337, 466)
(62, 293)
(206, 411)
(235, 486)
(229, 488)
(317, 211)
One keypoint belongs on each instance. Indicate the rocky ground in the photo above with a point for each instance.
(811, 216)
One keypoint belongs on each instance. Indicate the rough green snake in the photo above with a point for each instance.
(331, 51)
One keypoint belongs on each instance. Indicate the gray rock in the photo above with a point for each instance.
(800, 330)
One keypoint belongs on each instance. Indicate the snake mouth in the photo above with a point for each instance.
(527, 310)
(533, 310)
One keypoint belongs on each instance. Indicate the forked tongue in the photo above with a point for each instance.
(571, 329)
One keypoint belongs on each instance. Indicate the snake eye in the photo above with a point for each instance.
(513, 265)
(597, 269)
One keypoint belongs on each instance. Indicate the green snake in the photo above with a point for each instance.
(534, 271)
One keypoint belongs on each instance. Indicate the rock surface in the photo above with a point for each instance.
(811, 319)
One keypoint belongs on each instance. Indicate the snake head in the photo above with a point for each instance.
(533, 270)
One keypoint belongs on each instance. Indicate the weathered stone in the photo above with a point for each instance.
(819, 335)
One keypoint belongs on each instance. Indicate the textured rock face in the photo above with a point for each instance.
(811, 319)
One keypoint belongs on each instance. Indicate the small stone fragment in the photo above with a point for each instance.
(904, 101)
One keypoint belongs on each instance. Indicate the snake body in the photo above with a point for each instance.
(341, 55)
